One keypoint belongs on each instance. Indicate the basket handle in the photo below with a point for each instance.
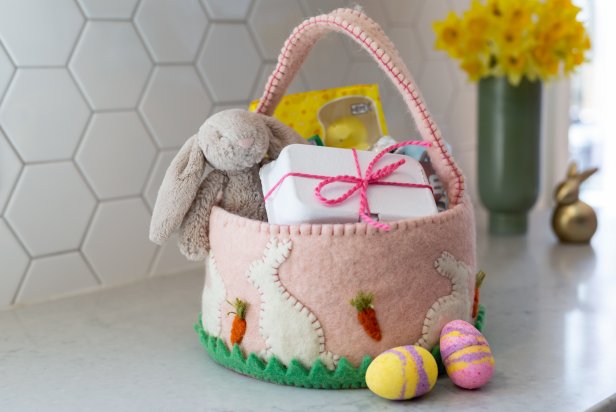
(371, 37)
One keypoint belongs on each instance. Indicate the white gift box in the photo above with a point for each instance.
(294, 200)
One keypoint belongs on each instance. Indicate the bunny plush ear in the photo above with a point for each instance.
(177, 191)
(282, 135)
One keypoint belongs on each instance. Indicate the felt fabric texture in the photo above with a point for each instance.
(365, 32)
(344, 376)
(290, 329)
(176, 193)
(331, 263)
(480, 324)
(456, 305)
(193, 239)
(234, 142)
(213, 298)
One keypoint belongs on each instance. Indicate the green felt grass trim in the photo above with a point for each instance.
(318, 376)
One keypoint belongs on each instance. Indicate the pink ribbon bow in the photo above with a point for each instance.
(360, 183)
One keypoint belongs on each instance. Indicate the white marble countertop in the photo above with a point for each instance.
(551, 322)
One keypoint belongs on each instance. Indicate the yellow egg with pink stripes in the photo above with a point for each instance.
(402, 373)
(466, 355)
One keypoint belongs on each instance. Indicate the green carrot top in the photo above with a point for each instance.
(363, 301)
(241, 306)
(481, 275)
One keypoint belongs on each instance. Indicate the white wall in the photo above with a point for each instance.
(97, 95)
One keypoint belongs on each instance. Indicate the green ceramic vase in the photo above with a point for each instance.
(509, 148)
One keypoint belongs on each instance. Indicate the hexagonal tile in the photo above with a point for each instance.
(14, 262)
(297, 85)
(117, 244)
(460, 6)
(175, 104)
(373, 9)
(355, 51)
(402, 11)
(44, 114)
(6, 70)
(270, 30)
(229, 62)
(116, 154)
(399, 121)
(54, 276)
(50, 208)
(39, 32)
(10, 166)
(407, 42)
(368, 72)
(461, 79)
(111, 65)
(437, 86)
(316, 7)
(429, 12)
(463, 119)
(222, 106)
(227, 10)
(169, 260)
(467, 161)
(108, 9)
(327, 64)
(172, 30)
(156, 176)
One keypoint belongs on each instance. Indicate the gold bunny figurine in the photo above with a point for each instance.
(573, 221)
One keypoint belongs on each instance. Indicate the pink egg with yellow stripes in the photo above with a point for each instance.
(466, 355)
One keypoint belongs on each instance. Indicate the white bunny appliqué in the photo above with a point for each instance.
(214, 296)
(448, 308)
(290, 330)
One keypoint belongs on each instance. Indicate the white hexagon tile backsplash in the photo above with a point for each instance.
(96, 96)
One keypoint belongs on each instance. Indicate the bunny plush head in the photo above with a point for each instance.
(234, 142)
(235, 139)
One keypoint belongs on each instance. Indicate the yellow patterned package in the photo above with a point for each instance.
(347, 117)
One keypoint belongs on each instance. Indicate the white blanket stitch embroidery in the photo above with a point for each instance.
(290, 330)
(214, 296)
(448, 308)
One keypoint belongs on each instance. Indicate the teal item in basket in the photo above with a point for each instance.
(416, 152)
(315, 140)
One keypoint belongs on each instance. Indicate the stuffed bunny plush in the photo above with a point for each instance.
(234, 142)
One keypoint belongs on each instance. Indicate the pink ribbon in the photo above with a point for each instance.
(360, 183)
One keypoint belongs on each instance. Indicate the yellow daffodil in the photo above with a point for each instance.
(514, 66)
(536, 39)
(476, 20)
(475, 68)
(449, 35)
(509, 38)
(495, 8)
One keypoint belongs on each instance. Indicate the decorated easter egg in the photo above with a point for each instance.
(402, 373)
(466, 354)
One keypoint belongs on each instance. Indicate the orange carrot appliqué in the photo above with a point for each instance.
(238, 328)
(478, 281)
(366, 314)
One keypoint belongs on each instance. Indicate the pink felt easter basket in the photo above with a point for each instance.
(299, 279)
